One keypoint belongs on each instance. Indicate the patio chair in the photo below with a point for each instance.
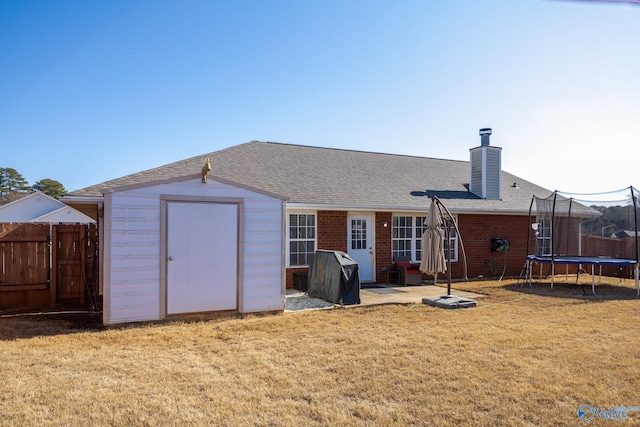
(407, 273)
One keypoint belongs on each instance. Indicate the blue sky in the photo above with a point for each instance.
(94, 90)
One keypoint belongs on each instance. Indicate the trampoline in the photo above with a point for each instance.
(582, 260)
(597, 229)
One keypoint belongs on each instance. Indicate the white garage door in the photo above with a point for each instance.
(202, 257)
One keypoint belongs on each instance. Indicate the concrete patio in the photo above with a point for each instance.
(392, 294)
(378, 295)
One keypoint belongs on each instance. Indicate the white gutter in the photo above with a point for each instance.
(336, 207)
(89, 200)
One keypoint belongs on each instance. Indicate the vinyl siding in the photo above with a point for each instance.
(493, 174)
(133, 260)
(476, 180)
(485, 179)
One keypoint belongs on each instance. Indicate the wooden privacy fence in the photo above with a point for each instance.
(43, 265)
(24, 255)
(615, 248)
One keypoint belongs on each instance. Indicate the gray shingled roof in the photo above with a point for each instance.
(342, 178)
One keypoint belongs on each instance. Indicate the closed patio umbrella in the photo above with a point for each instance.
(433, 259)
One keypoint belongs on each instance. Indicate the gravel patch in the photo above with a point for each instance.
(296, 300)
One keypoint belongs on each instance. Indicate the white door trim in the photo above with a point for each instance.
(164, 200)
(371, 238)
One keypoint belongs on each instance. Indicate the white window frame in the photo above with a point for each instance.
(415, 240)
(543, 237)
(452, 243)
(290, 240)
(403, 236)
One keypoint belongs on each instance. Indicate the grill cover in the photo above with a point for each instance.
(334, 277)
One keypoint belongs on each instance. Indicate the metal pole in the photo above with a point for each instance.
(529, 226)
(567, 252)
(552, 229)
(635, 220)
(455, 226)
(447, 235)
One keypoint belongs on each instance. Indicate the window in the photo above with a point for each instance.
(402, 236)
(451, 245)
(406, 238)
(543, 237)
(420, 229)
(302, 239)
(358, 234)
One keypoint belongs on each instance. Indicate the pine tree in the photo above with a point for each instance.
(12, 185)
(50, 187)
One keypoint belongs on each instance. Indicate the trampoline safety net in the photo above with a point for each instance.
(589, 225)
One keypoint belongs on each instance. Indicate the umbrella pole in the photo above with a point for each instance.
(446, 235)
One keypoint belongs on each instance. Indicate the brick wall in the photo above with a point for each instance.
(383, 246)
(477, 231)
(332, 236)
(332, 230)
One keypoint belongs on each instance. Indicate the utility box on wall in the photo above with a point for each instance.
(301, 281)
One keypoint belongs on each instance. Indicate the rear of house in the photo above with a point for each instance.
(289, 201)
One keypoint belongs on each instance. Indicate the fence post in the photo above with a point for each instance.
(53, 267)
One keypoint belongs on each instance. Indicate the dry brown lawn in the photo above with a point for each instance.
(524, 357)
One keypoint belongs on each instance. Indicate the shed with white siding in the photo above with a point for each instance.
(185, 246)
